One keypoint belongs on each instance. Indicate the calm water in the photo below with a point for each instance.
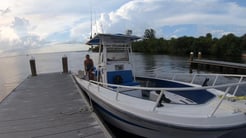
(15, 69)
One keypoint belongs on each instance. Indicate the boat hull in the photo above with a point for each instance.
(144, 127)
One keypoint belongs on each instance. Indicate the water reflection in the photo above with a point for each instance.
(156, 64)
(12, 71)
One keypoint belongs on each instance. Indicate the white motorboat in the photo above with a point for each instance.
(156, 106)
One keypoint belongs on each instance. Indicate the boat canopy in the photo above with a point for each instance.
(112, 38)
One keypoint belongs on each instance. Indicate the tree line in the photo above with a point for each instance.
(227, 46)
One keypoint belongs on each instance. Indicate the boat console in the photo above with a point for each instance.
(115, 59)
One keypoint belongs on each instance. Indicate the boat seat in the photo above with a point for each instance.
(123, 77)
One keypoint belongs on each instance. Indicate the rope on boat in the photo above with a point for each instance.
(234, 98)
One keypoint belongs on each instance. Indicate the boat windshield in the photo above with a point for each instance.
(117, 54)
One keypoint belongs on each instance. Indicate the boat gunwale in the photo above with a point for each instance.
(169, 89)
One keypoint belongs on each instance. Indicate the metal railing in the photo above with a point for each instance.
(195, 76)
(163, 90)
(241, 77)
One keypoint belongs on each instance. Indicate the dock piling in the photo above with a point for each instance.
(33, 67)
(191, 59)
(199, 55)
(64, 64)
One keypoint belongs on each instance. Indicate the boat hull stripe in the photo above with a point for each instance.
(119, 118)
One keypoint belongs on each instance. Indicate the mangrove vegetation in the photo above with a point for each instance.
(227, 46)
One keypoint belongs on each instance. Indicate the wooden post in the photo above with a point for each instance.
(33, 67)
(64, 64)
(199, 55)
(191, 60)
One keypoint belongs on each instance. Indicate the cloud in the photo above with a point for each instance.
(18, 36)
(75, 32)
(59, 47)
(21, 26)
(142, 14)
(31, 24)
(2, 12)
(7, 34)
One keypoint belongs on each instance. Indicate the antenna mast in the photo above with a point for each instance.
(91, 19)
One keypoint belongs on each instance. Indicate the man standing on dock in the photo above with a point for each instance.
(89, 66)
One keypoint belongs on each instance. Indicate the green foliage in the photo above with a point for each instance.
(243, 42)
(227, 46)
(149, 34)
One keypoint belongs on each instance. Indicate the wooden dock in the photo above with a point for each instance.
(218, 66)
(220, 63)
(215, 65)
(48, 105)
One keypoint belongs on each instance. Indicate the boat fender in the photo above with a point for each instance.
(118, 79)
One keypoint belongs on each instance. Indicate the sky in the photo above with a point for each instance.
(35, 25)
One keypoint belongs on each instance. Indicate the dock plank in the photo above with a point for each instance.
(48, 105)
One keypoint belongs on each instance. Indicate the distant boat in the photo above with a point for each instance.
(158, 107)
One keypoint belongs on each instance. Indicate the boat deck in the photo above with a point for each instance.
(49, 105)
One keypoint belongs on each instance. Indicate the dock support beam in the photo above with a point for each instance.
(64, 64)
(33, 67)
